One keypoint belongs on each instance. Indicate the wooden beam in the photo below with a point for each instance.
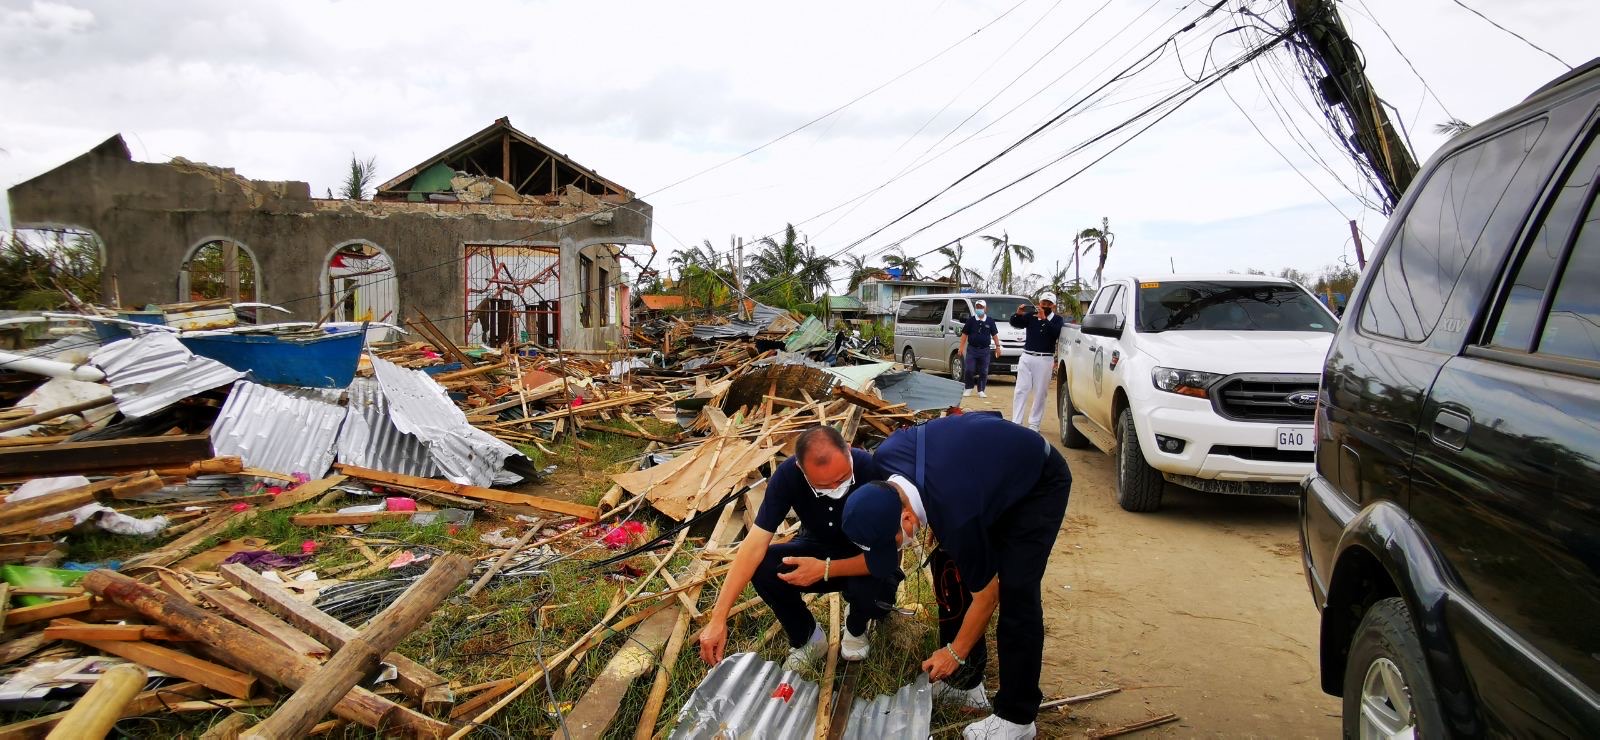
(360, 656)
(415, 680)
(28, 421)
(208, 674)
(264, 623)
(477, 492)
(49, 610)
(248, 649)
(63, 629)
(144, 703)
(87, 457)
(334, 518)
(100, 708)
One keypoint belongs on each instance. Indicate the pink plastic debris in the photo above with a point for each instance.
(400, 503)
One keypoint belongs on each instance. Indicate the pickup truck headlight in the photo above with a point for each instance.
(1183, 382)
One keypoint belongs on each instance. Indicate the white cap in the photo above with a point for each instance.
(980, 302)
(1047, 296)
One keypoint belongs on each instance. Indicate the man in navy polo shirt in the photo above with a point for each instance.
(815, 485)
(980, 340)
(1042, 329)
(996, 522)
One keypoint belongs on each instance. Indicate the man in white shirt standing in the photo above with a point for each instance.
(1042, 330)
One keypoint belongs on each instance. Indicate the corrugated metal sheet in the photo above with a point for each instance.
(285, 431)
(735, 700)
(919, 391)
(371, 440)
(908, 715)
(153, 371)
(739, 700)
(812, 333)
(420, 407)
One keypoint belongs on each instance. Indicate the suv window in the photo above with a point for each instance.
(1464, 201)
(1573, 326)
(1524, 301)
(1229, 306)
(921, 312)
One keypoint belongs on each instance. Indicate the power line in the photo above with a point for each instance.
(1519, 36)
(1425, 86)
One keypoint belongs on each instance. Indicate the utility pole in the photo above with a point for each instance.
(1361, 254)
(1346, 84)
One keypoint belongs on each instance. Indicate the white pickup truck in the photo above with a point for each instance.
(1206, 381)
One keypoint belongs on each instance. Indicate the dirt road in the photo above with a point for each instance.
(1199, 609)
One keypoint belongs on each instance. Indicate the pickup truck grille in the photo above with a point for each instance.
(1264, 398)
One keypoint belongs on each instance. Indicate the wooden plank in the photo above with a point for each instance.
(28, 421)
(825, 701)
(305, 492)
(264, 622)
(180, 548)
(334, 518)
(51, 610)
(208, 674)
(85, 457)
(417, 681)
(61, 629)
(869, 402)
(477, 492)
(359, 656)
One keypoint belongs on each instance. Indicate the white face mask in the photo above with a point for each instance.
(839, 491)
(907, 539)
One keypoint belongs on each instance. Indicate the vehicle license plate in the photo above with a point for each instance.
(1296, 438)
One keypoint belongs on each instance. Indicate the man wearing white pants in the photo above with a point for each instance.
(1042, 330)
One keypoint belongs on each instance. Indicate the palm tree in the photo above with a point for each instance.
(790, 271)
(1102, 237)
(953, 255)
(699, 275)
(906, 263)
(1452, 127)
(358, 183)
(813, 274)
(1004, 252)
(859, 271)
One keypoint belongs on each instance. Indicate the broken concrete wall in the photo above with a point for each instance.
(151, 217)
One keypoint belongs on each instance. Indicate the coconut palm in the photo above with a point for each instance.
(699, 277)
(1452, 127)
(1102, 238)
(906, 263)
(358, 182)
(953, 254)
(1009, 259)
(859, 271)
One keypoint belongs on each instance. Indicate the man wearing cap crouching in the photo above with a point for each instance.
(996, 524)
(1041, 331)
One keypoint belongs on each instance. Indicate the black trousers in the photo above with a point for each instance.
(1022, 538)
(869, 598)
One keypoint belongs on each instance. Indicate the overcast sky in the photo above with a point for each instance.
(650, 93)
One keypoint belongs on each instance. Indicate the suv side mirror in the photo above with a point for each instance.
(1102, 325)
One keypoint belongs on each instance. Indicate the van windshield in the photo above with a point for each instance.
(1226, 306)
(1002, 308)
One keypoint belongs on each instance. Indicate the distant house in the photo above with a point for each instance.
(878, 295)
(846, 308)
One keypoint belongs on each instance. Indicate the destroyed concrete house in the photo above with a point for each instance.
(497, 239)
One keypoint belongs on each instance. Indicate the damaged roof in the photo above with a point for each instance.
(500, 150)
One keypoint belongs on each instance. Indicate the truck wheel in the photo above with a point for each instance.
(957, 367)
(1071, 438)
(1387, 689)
(909, 358)
(1138, 485)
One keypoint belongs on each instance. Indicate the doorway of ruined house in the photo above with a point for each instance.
(513, 294)
(219, 270)
(359, 284)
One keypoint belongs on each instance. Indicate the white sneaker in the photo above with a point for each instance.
(851, 647)
(983, 394)
(967, 700)
(994, 728)
(802, 657)
(966, 393)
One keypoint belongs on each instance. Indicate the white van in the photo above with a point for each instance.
(927, 331)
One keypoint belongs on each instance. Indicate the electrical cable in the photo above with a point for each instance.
(1519, 36)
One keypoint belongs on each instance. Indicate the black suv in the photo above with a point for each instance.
(1451, 530)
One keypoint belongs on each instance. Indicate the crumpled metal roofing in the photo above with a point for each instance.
(919, 391)
(736, 701)
(761, 315)
(151, 372)
(419, 406)
(812, 333)
(284, 430)
(371, 440)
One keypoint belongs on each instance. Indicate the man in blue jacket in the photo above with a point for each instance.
(979, 335)
(996, 522)
(1042, 329)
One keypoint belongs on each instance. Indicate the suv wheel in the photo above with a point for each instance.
(909, 358)
(1138, 485)
(957, 367)
(1387, 689)
(1071, 438)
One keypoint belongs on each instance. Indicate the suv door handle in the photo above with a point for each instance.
(1450, 429)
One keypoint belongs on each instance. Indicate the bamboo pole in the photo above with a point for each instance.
(92, 717)
(501, 563)
(358, 657)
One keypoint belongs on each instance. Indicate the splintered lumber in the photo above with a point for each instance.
(304, 492)
(179, 549)
(333, 518)
(213, 676)
(443, 378)
(49, 610)
(62, 629)
(252, 651)
(261, 621)
(14, 551)
(227, 729)
(1134, 727)
(360, 656)
(870, 403)
(100, 708)
(414, 680)
(706, 473)
(144, 703)
(511, 552)
(111, 454)
(36, 508)
(28, 421)
(825, 701)
(476, 492)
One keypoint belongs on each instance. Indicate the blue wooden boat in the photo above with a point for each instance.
(319, 358)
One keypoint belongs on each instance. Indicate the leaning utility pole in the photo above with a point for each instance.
(1346, 84)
